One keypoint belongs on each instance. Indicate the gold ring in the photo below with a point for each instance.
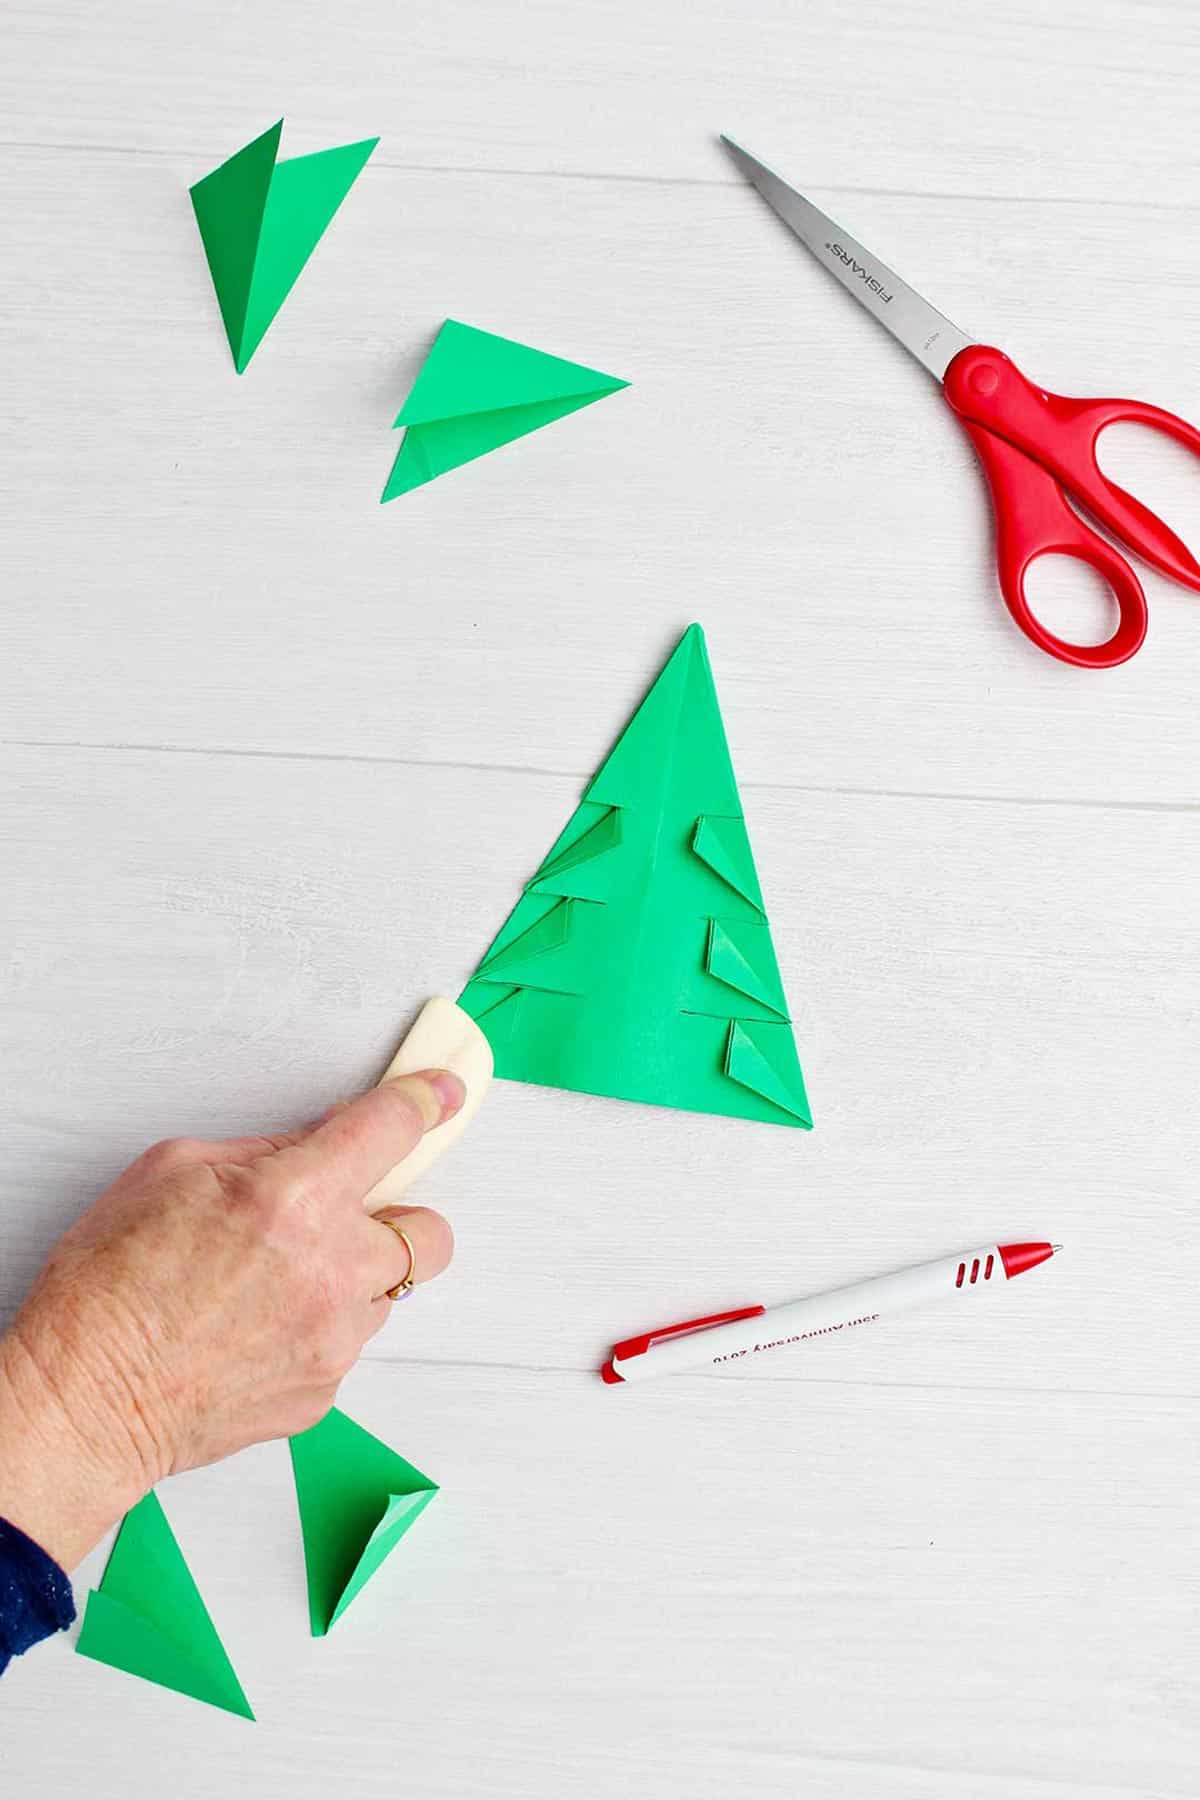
(405, 1286)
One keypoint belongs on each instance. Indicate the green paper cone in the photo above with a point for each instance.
(147, 1617)
(638, 962)
(357, 1498)
(477, 391)
(261, 220)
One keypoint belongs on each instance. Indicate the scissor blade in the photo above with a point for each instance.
(926, 333)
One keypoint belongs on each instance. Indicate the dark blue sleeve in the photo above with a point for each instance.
(35, 1595)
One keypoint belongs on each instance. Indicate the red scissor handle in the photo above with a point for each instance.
(1030, 442)
(1034, 519)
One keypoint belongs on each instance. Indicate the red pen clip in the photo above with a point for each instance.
(638, 1346)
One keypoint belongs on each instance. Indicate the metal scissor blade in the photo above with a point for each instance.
(923, 331)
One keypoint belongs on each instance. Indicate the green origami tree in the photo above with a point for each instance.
(261, 220)
(147, 1617)
(357, 1499)
(477, 391)
(638, 963)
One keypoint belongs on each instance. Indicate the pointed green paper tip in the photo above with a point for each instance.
(400, 1511)
(260, 220)
(763, 1058)
(477, 391)
(147, 1617)
(357, 1498)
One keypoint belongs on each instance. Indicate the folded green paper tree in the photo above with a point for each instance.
(147, 1617)
(638, 963)
(261, 220)
(357, 1499)
(477, 391)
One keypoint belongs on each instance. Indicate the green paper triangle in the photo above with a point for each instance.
(476, 392)
(401, 1510)
(741, 955)
(582, 846)
(521, 958)
(473, 371)
(147, 1617)
(673, 755)
(724, 846)
(628, 989)
(763, 1059)
(229, 205)
(502, 1014)
(357, 1498)
(432, 450)
(261, 220)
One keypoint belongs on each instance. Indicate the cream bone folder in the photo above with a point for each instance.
(443, 1037)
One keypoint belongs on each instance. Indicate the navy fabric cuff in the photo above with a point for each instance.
(35, 1595)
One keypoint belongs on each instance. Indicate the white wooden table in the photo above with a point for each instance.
(276, 759)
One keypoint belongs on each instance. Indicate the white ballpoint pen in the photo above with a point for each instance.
(723, 1340)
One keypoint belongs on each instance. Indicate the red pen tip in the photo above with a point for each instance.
(1019, 1257)
(609, 1374)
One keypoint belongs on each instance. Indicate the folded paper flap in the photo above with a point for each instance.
(398, 1515)
(353, 155)
(246, 175)
(579, 826)
(542, 953)
(120, 1634)
(121, 1637)
(547, 933)
(143, 1552)
(230, 204)
(150, 1619)
(146, 1569)
(472, 371)
(724, 845)
(349, 1464)
(418, 1496)
(261, 219)
(497, 1010)
(740, 953)
(401, 1512)
(357, 1498)
(304, 195)
(476, 392)
(763, 1058)
(595, 840)
(436, 447)
(488, 1000)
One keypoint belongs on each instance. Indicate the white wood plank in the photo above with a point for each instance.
(1090, 101)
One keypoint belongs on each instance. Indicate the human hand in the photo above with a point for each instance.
(214, 1296)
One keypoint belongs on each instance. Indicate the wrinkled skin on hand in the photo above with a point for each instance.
(214, 1296)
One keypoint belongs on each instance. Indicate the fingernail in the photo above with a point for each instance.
(450, 1090)
(438, 1092)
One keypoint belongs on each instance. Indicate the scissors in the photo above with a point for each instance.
(1035, 447)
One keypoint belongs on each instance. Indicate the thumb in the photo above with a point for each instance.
(354, 1149)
